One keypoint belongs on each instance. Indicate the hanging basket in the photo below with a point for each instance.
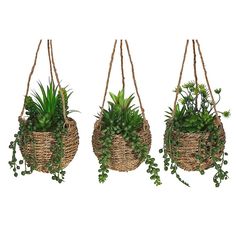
(37, 151)
(190, 145)
(122, 157)
(187, 147)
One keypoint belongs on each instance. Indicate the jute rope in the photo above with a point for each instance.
(208, 84)
(180, 77)
(108, 79)
(123, 77)
(50, 62)
(29, 78)
(195, 70)
(122, 64)
(135, 83)
(58, 81)
(195, 75)
(52, 65)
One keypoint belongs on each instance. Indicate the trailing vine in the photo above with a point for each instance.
(170, 147)
(106, 140)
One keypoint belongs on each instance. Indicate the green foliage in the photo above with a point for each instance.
(45, 104)
(121, 114)
(45, 114)
(106, 139)
(42, 110)
(123, 118)
(194, 113)
(21, 138)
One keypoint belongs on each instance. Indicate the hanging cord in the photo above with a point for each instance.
(180, 78)
(195, 72)
(135, 84)
(52, 62)
(122, 64)
(108, 79)
(207, 81)
(29, 79)
(123, 78)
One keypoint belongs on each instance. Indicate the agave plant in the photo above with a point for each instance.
(122, 118)
(121, 114)
(42, 108)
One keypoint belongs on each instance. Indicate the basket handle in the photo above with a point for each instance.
(52, 64)
(123, 77)
(195, 75)
(134, 80)
(207, 81)
(180, 78)
(52, 68)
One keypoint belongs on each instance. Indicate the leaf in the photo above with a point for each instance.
(71, 111)
(113, 97)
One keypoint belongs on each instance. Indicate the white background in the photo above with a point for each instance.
(83, 33)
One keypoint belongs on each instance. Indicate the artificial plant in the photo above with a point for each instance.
(44, 114)
(123, 118)
(195, 112)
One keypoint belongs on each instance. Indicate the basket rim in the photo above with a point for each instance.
(195, 133)
(71, 120)
(145, 124)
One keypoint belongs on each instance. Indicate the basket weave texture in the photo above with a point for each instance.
(189, 145)
(40, 147)
(122, 157)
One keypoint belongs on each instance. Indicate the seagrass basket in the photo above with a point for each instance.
(37, 150)
(188, 146)
(40, 146)
(122, 157)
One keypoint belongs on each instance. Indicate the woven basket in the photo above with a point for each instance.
(122, 157)
(189, 146)
(40, 147)
(37, 152)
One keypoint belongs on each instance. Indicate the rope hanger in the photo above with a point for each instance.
(195, 75)
(122, 75)
(52, 69)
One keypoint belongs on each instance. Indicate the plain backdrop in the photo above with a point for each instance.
(83, 34)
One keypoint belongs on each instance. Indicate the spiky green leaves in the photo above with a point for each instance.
(45, 108)
(46, 104)
(120, 100)
(121, 114)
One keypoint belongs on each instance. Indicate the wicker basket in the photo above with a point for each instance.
(189, 146)
(122, 156)
(40, 147)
